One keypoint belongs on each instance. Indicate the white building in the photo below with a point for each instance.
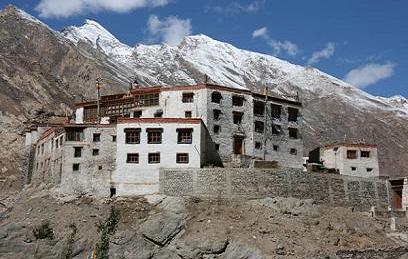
(121, 150)
(353, 159)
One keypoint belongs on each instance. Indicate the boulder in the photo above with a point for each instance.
(161, 228)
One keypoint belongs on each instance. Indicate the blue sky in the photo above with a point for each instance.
(364, 41)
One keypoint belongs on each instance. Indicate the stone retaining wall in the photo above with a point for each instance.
(335, 190)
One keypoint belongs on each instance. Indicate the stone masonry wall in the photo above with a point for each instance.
(336, 190)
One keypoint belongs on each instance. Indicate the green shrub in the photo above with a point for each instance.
(43, 231)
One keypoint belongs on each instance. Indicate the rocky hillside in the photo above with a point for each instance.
(43, 72)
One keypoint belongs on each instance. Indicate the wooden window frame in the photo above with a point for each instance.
(153, 158)
(132, 135)
(132, 158)
(187, 97)
(185, 136)
(182, 158)
(367, 154)
(96, 137)
(154, 135)
(350, 154)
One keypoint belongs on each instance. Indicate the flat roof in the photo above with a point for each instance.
(124, 120)
(158, 89)
(349, 144)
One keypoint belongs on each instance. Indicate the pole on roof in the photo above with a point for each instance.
(265, 121)
(98, 88)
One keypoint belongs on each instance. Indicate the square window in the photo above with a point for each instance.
(216, 97)
(352, 154)
(369, 169)
(137, 114)
(99, 167)
(238, 100)
(187, 114)
(188, 97)
(237, 117)
(275, 148)
(132, 158)
(113, 138)
(182, 158)
(293, 133)
(259, 127)
(154, 158)
(154, 136)
(353, 168)
(293, 114)
(365, 154)
(216, 114)
(276, 111)
(293, 151)
(217, 147)
(75, 167)
(184, 136)
(96, 137)
(258, 145)
(77, 151)
(217, 129)
(95, 152)
(259, 108)
(132, 136)
(276, 129)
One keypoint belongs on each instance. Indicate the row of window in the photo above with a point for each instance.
(154, 135)
(260, 128)
(353, 168)
(292, 151)
(58, 143)
(352, 154)
(154, 158)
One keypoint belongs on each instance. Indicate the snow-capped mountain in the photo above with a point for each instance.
(223, 63)
(44, 70)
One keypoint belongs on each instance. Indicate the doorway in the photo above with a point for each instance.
(238, 145)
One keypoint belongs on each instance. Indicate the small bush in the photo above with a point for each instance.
(106, 229)
(43, 231)
(69, 246)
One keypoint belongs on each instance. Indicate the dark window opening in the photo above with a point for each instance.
(293, 151)
(258, 145)
(293, 133)
(216, 97)
(112, 192)
(188, 97)
(353, 168)
(276, 111)
(75, 167)
(369, 169)
(238, 100)
(77, 151)
(113, 138)
(237, 117)
(217, 129)
(217, 147)
(365, 153)
(351, 154)
(154, 158)
(75, 134)
(184, 136)
(132, 136)
(259, 108)
(188, 114)
(275, 148)
(99, 167)
(276, 129)
(182, 158)
(137, 114)
(216, 114)
(95, 152)
(293, 114)
(158, 114)
(154, 136)
(132, 158)
(96, 137)
(259, 126)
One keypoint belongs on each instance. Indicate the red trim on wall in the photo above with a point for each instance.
(159, 120)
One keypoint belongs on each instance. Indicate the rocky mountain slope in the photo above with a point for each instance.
(43, 72)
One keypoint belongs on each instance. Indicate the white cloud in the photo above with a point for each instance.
(369, 74)
(66, 8)
(286, 46)
(170, 30)
(234, 8)
(261, 32)
(325, 53)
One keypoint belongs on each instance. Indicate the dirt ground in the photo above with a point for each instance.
(267, 228)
